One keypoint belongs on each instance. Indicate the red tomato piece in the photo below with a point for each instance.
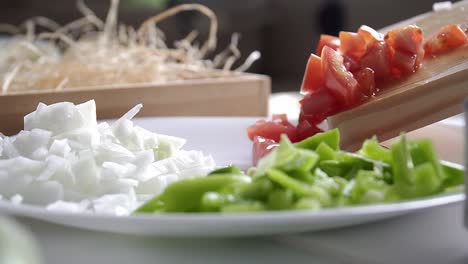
(405, 50)
(351, 64)
(365, 78)
(446, 39)
(272, 129)
(313, 76)
(352, 45)
(261, 147)
(338, 80)
(403, 63)
(370, 36)
(316, 106)
(281, 119)
(376, 59)
(407, 39)
(329, 41)
(305, 129)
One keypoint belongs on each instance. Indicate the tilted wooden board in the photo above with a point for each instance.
(243, 95)
(435, 92)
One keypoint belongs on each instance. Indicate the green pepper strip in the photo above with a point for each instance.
(185, 195)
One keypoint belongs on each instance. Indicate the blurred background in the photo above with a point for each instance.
(285, 32)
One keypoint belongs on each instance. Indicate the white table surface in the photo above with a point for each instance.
(431, 236)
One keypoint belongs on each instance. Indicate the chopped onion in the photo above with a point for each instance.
(65, 161)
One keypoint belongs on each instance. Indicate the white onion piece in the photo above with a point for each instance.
(114, 152)
(65, 161)
(58, 169)
(115, 204)
(16, 174)
(56, 118)
(53, 164)
(70, 207)
(88, 113)
(33, 144)
(85, 171)
(131, 113)
(60, 147)
(9, 151)
(112, 171)
(81, 138)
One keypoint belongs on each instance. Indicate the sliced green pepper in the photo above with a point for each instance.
(244, 206)
(280, 199)
(214, 201)
(323, 181)
(299, 188)
(330, 137)
(305, 176)
(402, 163)
(314, 174)
(373, 150)
(325, 152)
(185, 195)
(287, 157)
(455, 174)
(426, 180)
(258, 189)
(368, 188)
(308, 204)
(423, 151)
(228, 169)
(335, 168)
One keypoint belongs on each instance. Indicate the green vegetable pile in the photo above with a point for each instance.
(314, 174)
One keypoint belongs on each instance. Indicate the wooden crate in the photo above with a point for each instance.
(243, 95)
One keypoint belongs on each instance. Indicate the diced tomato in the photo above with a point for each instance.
(305, 129)
(352, 45)
(272, 129)
(338, 80)
(351, 64)
(365, 78)
(313, 76)
(447, 38)
(350, 69)
(370, 36)
(329, 41)
(407, 39)
(281, 119)
(316, 106)
(405, 50)
(261, 147)
(376, 58)
(403, 63)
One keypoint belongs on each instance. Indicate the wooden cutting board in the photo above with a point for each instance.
(435, 92)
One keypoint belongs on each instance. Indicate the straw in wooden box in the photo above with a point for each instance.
(242, 95)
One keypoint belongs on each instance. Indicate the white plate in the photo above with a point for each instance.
(225, 139)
